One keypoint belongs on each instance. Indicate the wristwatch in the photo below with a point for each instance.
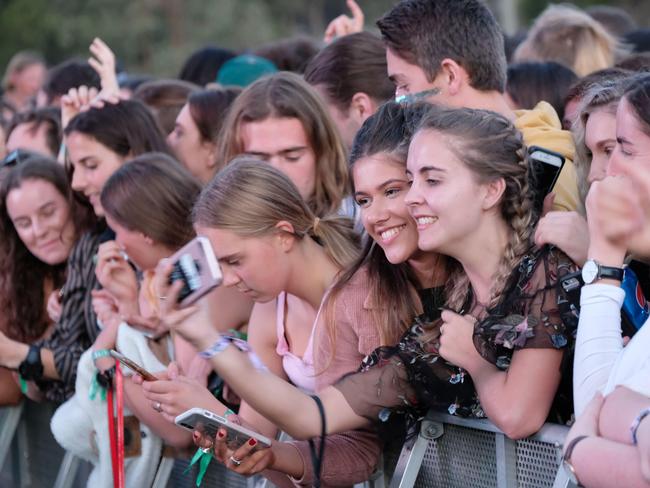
(105, 378)
(31, 369)
(566, 459)
(592, 271)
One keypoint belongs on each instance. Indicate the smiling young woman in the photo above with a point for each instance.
(39, 222)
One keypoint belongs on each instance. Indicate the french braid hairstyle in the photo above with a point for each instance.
(491, 148)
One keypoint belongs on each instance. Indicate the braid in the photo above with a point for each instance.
(517, 210)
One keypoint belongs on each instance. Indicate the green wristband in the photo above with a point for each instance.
(101, 353)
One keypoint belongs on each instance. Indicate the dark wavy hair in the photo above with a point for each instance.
(394, 286)
(23, 275)
(126, 128)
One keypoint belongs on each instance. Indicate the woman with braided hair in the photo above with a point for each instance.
(497, 349)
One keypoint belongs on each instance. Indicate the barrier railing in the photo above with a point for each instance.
(454, 452)
(449, 452)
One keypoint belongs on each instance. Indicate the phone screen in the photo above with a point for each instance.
(545, 168)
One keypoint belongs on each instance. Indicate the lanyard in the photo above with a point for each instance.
(116, 433)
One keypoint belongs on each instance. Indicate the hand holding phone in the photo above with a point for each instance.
(545, 168)
(132, 365)
(208, 423)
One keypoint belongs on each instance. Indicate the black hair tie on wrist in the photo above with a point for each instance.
(317, 459)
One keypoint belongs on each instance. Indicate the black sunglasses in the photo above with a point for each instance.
(15, 157)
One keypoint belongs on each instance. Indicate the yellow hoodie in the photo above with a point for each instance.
(541, 127)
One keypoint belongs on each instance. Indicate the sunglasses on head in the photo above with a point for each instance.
(15, 157)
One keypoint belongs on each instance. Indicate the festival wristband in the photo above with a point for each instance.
(101, 353)
(225, 341)
(216, 348)
(634, 428)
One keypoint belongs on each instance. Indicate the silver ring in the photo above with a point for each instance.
(162, 298)
(236, 462)
(157, 407)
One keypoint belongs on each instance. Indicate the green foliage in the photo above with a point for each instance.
(155, 36)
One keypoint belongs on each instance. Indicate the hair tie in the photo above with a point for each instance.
(315, 226)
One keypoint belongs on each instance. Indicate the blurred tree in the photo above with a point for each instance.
(155, 36)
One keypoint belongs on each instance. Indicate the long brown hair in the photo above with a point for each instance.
(249, 197)
(22, 275)
(288, 95)
(392, 286)
(153, 194)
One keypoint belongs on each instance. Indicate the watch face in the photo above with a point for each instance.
(589, 271)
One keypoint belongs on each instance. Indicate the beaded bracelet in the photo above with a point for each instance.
(635, 425)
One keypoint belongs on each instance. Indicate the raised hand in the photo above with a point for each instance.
(103, 62)
(344, 25)
(75, 101)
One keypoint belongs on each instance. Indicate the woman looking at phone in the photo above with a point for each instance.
(151, 181)
(372, 303)
(268, 243)
(498, 346)
(99, 141)
(39, 222)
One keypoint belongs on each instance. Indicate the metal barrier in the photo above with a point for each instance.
(449, 452)
(454, 452)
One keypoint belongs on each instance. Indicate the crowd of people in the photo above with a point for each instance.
(375, 208)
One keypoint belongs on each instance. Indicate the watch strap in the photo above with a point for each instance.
(610, 272)
(31, 369)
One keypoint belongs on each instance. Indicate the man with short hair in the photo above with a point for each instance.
(35, 130)
(451, 52)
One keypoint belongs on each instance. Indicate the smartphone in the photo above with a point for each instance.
(132, 365)
(545, 167)
(209, 423)
(197, 267)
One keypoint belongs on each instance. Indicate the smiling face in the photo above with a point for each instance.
(380, 187)
(283, 143)
(255, 266)
(445, 198)
(197, 155)
(93, 165)
(600, 139)
(41, 216)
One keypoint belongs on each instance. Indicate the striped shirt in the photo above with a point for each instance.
(77, 328)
